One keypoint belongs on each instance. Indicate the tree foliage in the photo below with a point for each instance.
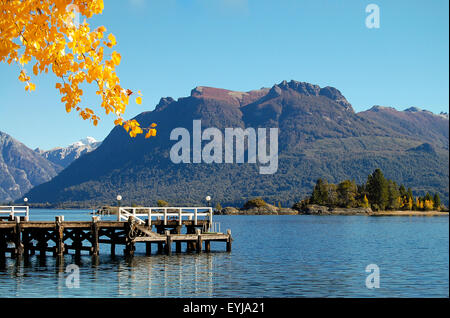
(377, 187)
(377, 193)
(47, 34)
(162, 203)
(255, 203)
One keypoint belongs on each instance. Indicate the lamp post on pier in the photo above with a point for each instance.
(208, 200)
(119, 198)
(25, 200)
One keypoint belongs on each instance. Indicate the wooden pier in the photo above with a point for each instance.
(162, 227)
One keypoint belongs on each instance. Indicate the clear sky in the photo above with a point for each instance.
(170, 46)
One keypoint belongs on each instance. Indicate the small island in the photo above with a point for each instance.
(377, 197)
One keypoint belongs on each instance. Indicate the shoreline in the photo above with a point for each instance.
(287, 211)
(409, 213)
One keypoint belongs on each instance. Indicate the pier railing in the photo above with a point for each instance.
(10, 212)
(165, 213)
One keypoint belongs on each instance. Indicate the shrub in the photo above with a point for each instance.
(162, 203)
(255, 203)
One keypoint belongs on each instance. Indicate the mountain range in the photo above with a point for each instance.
(22, 168)
(320, 136)
(64, 156)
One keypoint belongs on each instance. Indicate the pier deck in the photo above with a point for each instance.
(20, 237)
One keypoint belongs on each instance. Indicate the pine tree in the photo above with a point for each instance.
(377, 187)
(402, 190)
(393, 196)
(437, 202)
(320, 193)
(347, 192)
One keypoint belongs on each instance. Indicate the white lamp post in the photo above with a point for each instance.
(208, 199)
(119, 198)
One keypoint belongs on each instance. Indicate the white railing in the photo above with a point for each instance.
(214, 227)
(14, 211)
(165, 213)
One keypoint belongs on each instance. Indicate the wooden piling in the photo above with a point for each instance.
(18, 251)
(199, 240)
(130, 234)
(26, 241)
(3, 244)
(178, 243)
(59, 247)
(168, 243)
(229, 240)
(94, 236)
(41, 241)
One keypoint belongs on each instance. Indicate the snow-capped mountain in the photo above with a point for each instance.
(64, 156)
(21, 169)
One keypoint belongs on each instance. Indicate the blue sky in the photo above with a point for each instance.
(170, 46)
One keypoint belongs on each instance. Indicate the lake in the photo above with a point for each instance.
(272, 256)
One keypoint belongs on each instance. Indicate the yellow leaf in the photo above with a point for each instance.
(112, 39)
(116, 58)
(139, 100)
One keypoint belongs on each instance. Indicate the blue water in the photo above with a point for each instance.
(272, 256)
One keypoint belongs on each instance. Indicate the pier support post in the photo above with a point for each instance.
(199, 240)
(178, 243)
(3, 244)
(94, 236)
(168, 243)
(77, 243)
(148, 248)
(41, 241)
(191, 246)
(160, 230)
(18, 251)
(208, 246)
(112, 237)
(130, 230)
(59, 248)
(229, 240)
(26, 242)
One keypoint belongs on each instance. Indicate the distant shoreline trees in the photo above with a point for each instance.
(378, 193)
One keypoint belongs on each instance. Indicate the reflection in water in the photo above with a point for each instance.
(273, 256)
(179, 275)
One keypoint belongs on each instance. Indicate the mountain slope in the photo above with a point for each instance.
(412, 122)
(21, 169)
(64, 156)
(320, 136)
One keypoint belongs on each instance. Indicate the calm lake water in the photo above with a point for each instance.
(272, 256)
